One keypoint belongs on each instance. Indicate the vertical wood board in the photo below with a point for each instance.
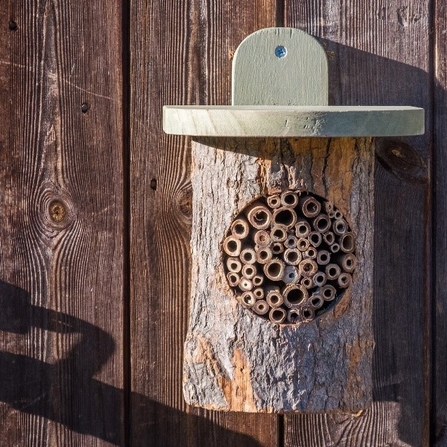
(181, 54)
(61, 213)
(371, 48)
(439, 372)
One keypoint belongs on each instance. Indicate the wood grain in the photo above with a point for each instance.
(61, 208)
(289, 121)
(297, 75)
(236, 361)
(371, 47)
(181, 54)
(439, 421)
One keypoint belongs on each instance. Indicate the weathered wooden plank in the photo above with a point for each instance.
(439, 422)
(61, 211)
(234, 359)
(288, 121)
(181, 53)
(371, 48)
(279, 66)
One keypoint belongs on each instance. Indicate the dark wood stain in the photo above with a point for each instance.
(64, 217)
(61, 176)
(370, 47)
(176, 61)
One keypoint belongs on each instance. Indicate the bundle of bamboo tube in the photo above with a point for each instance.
(289, 257)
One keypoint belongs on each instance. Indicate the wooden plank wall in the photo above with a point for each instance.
(95, 211)
(61, 230)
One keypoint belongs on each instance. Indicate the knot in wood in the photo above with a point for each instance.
(57, 211)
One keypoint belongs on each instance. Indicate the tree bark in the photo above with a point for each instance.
(235, 360)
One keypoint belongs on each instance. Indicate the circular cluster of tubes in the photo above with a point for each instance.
(289, 257)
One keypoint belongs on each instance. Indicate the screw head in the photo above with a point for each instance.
(280, 51)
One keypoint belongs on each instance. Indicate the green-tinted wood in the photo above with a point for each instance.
(61, 223)
(304, 121)
(379, 53)
(181, 53)
(280, 66)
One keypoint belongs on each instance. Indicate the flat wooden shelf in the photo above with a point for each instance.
(293, 121)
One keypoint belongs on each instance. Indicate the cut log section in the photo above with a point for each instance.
(294, 357)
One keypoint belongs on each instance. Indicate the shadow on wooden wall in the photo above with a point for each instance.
(82, 403)
(402, 267)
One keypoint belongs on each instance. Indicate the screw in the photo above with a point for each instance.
(84, 108)
(280, 51)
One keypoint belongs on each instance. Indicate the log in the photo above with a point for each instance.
(238, 360)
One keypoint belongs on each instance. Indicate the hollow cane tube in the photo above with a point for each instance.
(261, 307)
(333, 271)
(340, 227)
(348, 262)
(329, 237)
(335, 248)
(258, 280)
(259, 293)
(310, 207)
(274, 296)
(316, 301)
(240, 228)
(293, 316)
(277, 248)
(308, 283)
(323, 257)
(274, 269)
(234, 265)
(232, 246)
(248, 256)
(344, 280)
(248, 299)
(277, 315)
(291, 241)
(291, 275)
(292, 256)
(319, 279)
(322, 223)
(290, 199)
(249, 271)
(307, 267)
(347, 243)
(310, 253)
(278, 233)
(274, 201)
(285, 216)
(262, 238)
(294, 295)
(264, 255)
(233, 279)
(315, 238)
(259, 216)
(302, 244)
(337, 214)
(302, 228)
(328, 292)
(307, 313)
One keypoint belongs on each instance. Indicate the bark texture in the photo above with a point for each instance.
(235, 360)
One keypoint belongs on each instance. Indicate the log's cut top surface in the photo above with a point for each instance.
(293, 121)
